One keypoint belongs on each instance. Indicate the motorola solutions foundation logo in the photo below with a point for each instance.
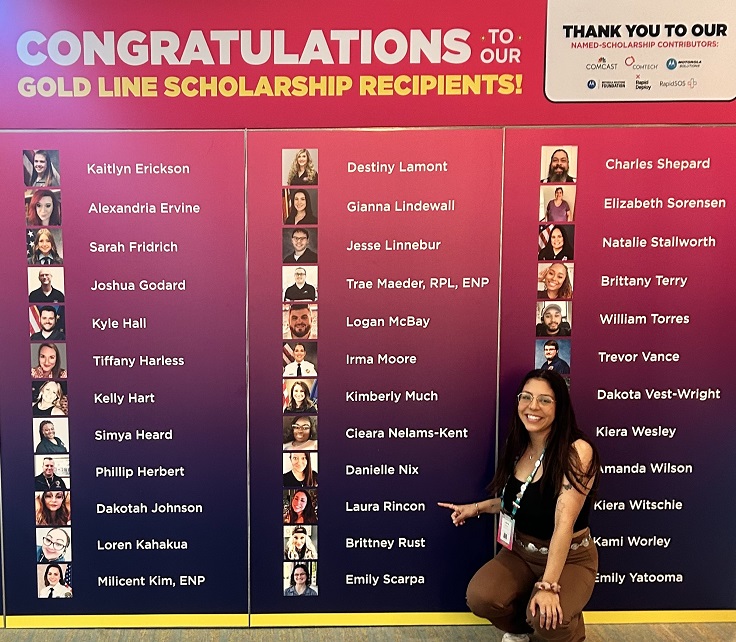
(592, 84)
(671, 63)
(613, 84)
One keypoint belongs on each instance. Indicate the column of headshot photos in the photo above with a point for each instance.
(49, 372)
(555, 258)
(299, 296)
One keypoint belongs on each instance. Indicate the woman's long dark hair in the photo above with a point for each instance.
(560, 458)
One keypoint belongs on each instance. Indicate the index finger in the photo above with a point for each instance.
(445, 505)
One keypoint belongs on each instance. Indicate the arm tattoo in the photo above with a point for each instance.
(566, 486)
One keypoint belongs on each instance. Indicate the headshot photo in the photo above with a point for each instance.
(299, 206)
(46, 285)
(299, 321)
(554, 319)
(300, 432)
(54, 544)
(46, 322)
(553, 354)
(52, 580)
(300, 542)
(44, 246)
(43, 207)
(300, 506)
(53, 508)
(555, 280)
(299, 166)
(299, 283)
(300, 359)
(300, 579)
(48, 360)
(51, 437)
(41, 168)
(49, 399)
(52, 472)
(556, 242)
(557, 203)
(559, 163)
(300, 470)
(300, 396)
(299, 245)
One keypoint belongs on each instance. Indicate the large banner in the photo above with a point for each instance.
(282, 273)
(140, 64)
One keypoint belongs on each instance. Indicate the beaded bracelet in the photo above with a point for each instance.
(553, 587)
(477, 510)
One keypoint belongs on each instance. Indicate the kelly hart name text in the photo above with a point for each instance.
(117, 399)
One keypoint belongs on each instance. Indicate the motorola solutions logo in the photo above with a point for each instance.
(671, 63)
(591, 84)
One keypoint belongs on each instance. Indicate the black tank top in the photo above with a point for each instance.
(536, 514)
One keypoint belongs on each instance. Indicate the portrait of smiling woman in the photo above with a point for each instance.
(44, 250)
(300, 506)
(49, 443)
(44, 207)
(555, 281)
(39, 168)
(49, 361)
(53, 508)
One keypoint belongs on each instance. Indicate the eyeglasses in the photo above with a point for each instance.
(299, 238)
(57, 545)
(301, 427)
(526, 398)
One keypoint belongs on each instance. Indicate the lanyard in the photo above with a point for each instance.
(517, 500)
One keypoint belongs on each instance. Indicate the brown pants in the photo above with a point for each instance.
(501, 589)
